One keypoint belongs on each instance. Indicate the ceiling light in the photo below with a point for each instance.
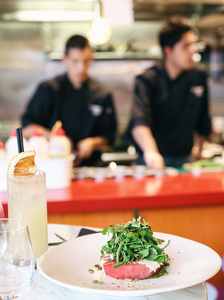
(99, 32)
(197, 57)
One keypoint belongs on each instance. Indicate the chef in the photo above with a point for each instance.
(83, 105)
(171, 101)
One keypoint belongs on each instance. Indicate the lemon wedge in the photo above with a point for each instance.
(23, 164)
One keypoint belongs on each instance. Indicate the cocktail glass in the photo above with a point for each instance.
(27, 201)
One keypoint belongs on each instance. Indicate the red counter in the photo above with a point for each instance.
(130, 193)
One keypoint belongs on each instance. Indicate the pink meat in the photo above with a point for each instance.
(131, 270)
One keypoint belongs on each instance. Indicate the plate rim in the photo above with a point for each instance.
(130, 293)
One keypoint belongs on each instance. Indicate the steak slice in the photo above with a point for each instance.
(140, 270)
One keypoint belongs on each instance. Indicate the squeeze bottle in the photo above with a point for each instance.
(39, 143)
(59, 144)
(2, 150)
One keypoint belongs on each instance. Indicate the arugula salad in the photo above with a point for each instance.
(133, 241)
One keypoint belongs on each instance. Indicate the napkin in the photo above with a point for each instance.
(85, 231)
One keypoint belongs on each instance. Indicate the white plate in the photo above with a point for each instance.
(67, 265)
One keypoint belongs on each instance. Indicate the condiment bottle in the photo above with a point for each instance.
(2, 151)
(39, 143)
(59, 144)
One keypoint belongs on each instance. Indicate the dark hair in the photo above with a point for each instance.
(76, 41)
(172, 31)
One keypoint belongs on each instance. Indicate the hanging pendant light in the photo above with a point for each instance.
(100, 32)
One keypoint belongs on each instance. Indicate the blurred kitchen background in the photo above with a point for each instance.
(33, 34)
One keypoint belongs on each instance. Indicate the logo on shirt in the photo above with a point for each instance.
(95, 109)
(197, 90)
(109, 110)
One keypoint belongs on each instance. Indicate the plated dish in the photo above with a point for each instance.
(204, 166)
(67, 265)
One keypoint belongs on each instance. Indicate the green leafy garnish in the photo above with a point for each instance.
(205, 163)
(133, 241)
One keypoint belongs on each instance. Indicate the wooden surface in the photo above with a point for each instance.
(93, 219)
(204, 224)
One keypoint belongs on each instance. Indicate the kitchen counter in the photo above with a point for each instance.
(130, 193)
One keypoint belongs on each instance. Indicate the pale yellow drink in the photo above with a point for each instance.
(27, 201)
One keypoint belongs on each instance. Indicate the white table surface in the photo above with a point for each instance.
(46, 290)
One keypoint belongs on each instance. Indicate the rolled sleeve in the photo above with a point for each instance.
(203, 126)
(39, 107)
(107, 125)
(142, 107)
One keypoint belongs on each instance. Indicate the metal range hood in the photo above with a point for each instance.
(206, 15)
(49, 11)
(52, 22)
(87, 10)
(159, 10)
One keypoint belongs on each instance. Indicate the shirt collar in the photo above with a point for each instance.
(69, 84)
(163, 69)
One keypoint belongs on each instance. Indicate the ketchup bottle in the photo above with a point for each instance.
(2, 150)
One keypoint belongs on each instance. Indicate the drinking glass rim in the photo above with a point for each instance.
(24, 224)
(39, 173)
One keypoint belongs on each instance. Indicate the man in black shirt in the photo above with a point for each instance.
(171, 102)
(83, 105)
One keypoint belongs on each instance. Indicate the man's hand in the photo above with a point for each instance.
(196, 153)
(198, 147)
(154, 160)
(146, 141)
(85, 148)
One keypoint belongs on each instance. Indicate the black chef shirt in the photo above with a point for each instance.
(173, 109)
(84, 112)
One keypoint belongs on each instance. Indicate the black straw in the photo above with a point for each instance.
(19, 139)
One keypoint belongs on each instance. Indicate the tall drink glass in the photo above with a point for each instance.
(27, 201)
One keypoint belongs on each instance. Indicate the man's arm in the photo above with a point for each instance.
(106, 125)
(86, 147)
(142, 120)
(39, 111)
(104, 131)
(144, 138)
(204, 124)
